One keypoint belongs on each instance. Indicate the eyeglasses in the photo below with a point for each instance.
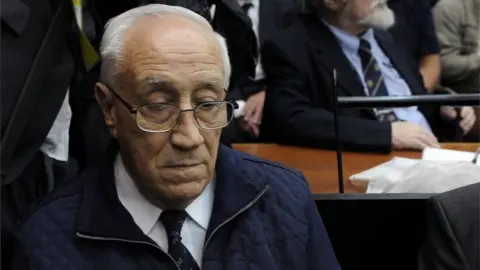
(163, 117)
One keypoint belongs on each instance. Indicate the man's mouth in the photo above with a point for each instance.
(184, 165)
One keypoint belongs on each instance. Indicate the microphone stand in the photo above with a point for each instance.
(337, 133)
(388, 102)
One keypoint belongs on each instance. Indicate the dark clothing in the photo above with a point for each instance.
(24, 25)
(30, 173)
(453, 231)
(271, 18)
(298, 64)
(414, 28)
(263, 217)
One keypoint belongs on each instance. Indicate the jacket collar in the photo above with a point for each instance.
(102, 215)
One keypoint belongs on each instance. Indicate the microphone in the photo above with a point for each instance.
(337, 132)
(408, 101)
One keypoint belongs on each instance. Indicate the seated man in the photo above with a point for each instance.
(267, 18)
(169, 196)
(458, 30)
(341, 35)
(453, 231)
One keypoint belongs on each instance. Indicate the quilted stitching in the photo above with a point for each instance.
(272, 234)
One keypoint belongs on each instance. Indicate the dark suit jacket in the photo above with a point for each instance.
(24, 25)
(298, 64)
(272, 19)
(453, 231)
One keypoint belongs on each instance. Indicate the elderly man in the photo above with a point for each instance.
(347, 36)
(171, 197)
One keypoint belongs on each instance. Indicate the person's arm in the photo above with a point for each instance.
(290, 111)
(429, 47)
(430, 70)
(441, 250)
(455, 64)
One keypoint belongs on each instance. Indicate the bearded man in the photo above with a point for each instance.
(350, 37)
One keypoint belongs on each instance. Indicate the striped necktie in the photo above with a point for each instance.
(374, 79)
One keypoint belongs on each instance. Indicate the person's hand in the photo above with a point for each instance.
(252, 128)
(252, 112)
(412, 136)
(467, 116)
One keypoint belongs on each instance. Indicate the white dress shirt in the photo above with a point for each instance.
(146, 215)
(56, 143)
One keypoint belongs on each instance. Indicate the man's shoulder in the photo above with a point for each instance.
(460, 202)
(450, 7)
(293, 35)
(280, 179)
(56, 211)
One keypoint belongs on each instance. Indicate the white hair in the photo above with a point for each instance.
(380, 17)
(111, 47)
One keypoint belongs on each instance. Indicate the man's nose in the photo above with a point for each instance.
(186, 135)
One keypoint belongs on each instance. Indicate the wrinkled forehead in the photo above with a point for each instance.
(171, 50)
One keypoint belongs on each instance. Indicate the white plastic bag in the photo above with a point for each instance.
(401, 175)
(437, 177)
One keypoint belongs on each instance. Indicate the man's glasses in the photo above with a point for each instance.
(163, 117)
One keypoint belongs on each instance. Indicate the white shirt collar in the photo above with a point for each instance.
(145, 214)
(348, 41)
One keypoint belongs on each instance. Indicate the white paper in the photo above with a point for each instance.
(384, 175)
(435, 154)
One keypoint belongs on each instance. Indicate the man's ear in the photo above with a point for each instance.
(104, 98)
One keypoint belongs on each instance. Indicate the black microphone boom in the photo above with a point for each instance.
(387, 102)
(407, 101)
(337, 133)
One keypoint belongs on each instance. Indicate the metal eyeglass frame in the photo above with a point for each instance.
(134, 110)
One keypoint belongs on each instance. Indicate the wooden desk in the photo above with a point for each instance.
(320, 166)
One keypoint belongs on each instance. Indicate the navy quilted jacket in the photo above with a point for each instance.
(263, 218)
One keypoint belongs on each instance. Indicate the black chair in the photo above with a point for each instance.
(375, 231)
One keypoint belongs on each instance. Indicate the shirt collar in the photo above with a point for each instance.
(145, 214)
(243, 2)
(348, 41)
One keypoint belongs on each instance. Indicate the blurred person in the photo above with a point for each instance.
(453, 231)
(167, 195)
(40, 71)
(268, 17)
(415, 30)
(350, 37)
(458, 30)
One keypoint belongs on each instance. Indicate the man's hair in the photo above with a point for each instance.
(111, 47)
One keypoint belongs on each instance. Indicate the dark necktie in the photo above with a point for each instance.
(374, 79)
(173, 222)
(246, 7)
